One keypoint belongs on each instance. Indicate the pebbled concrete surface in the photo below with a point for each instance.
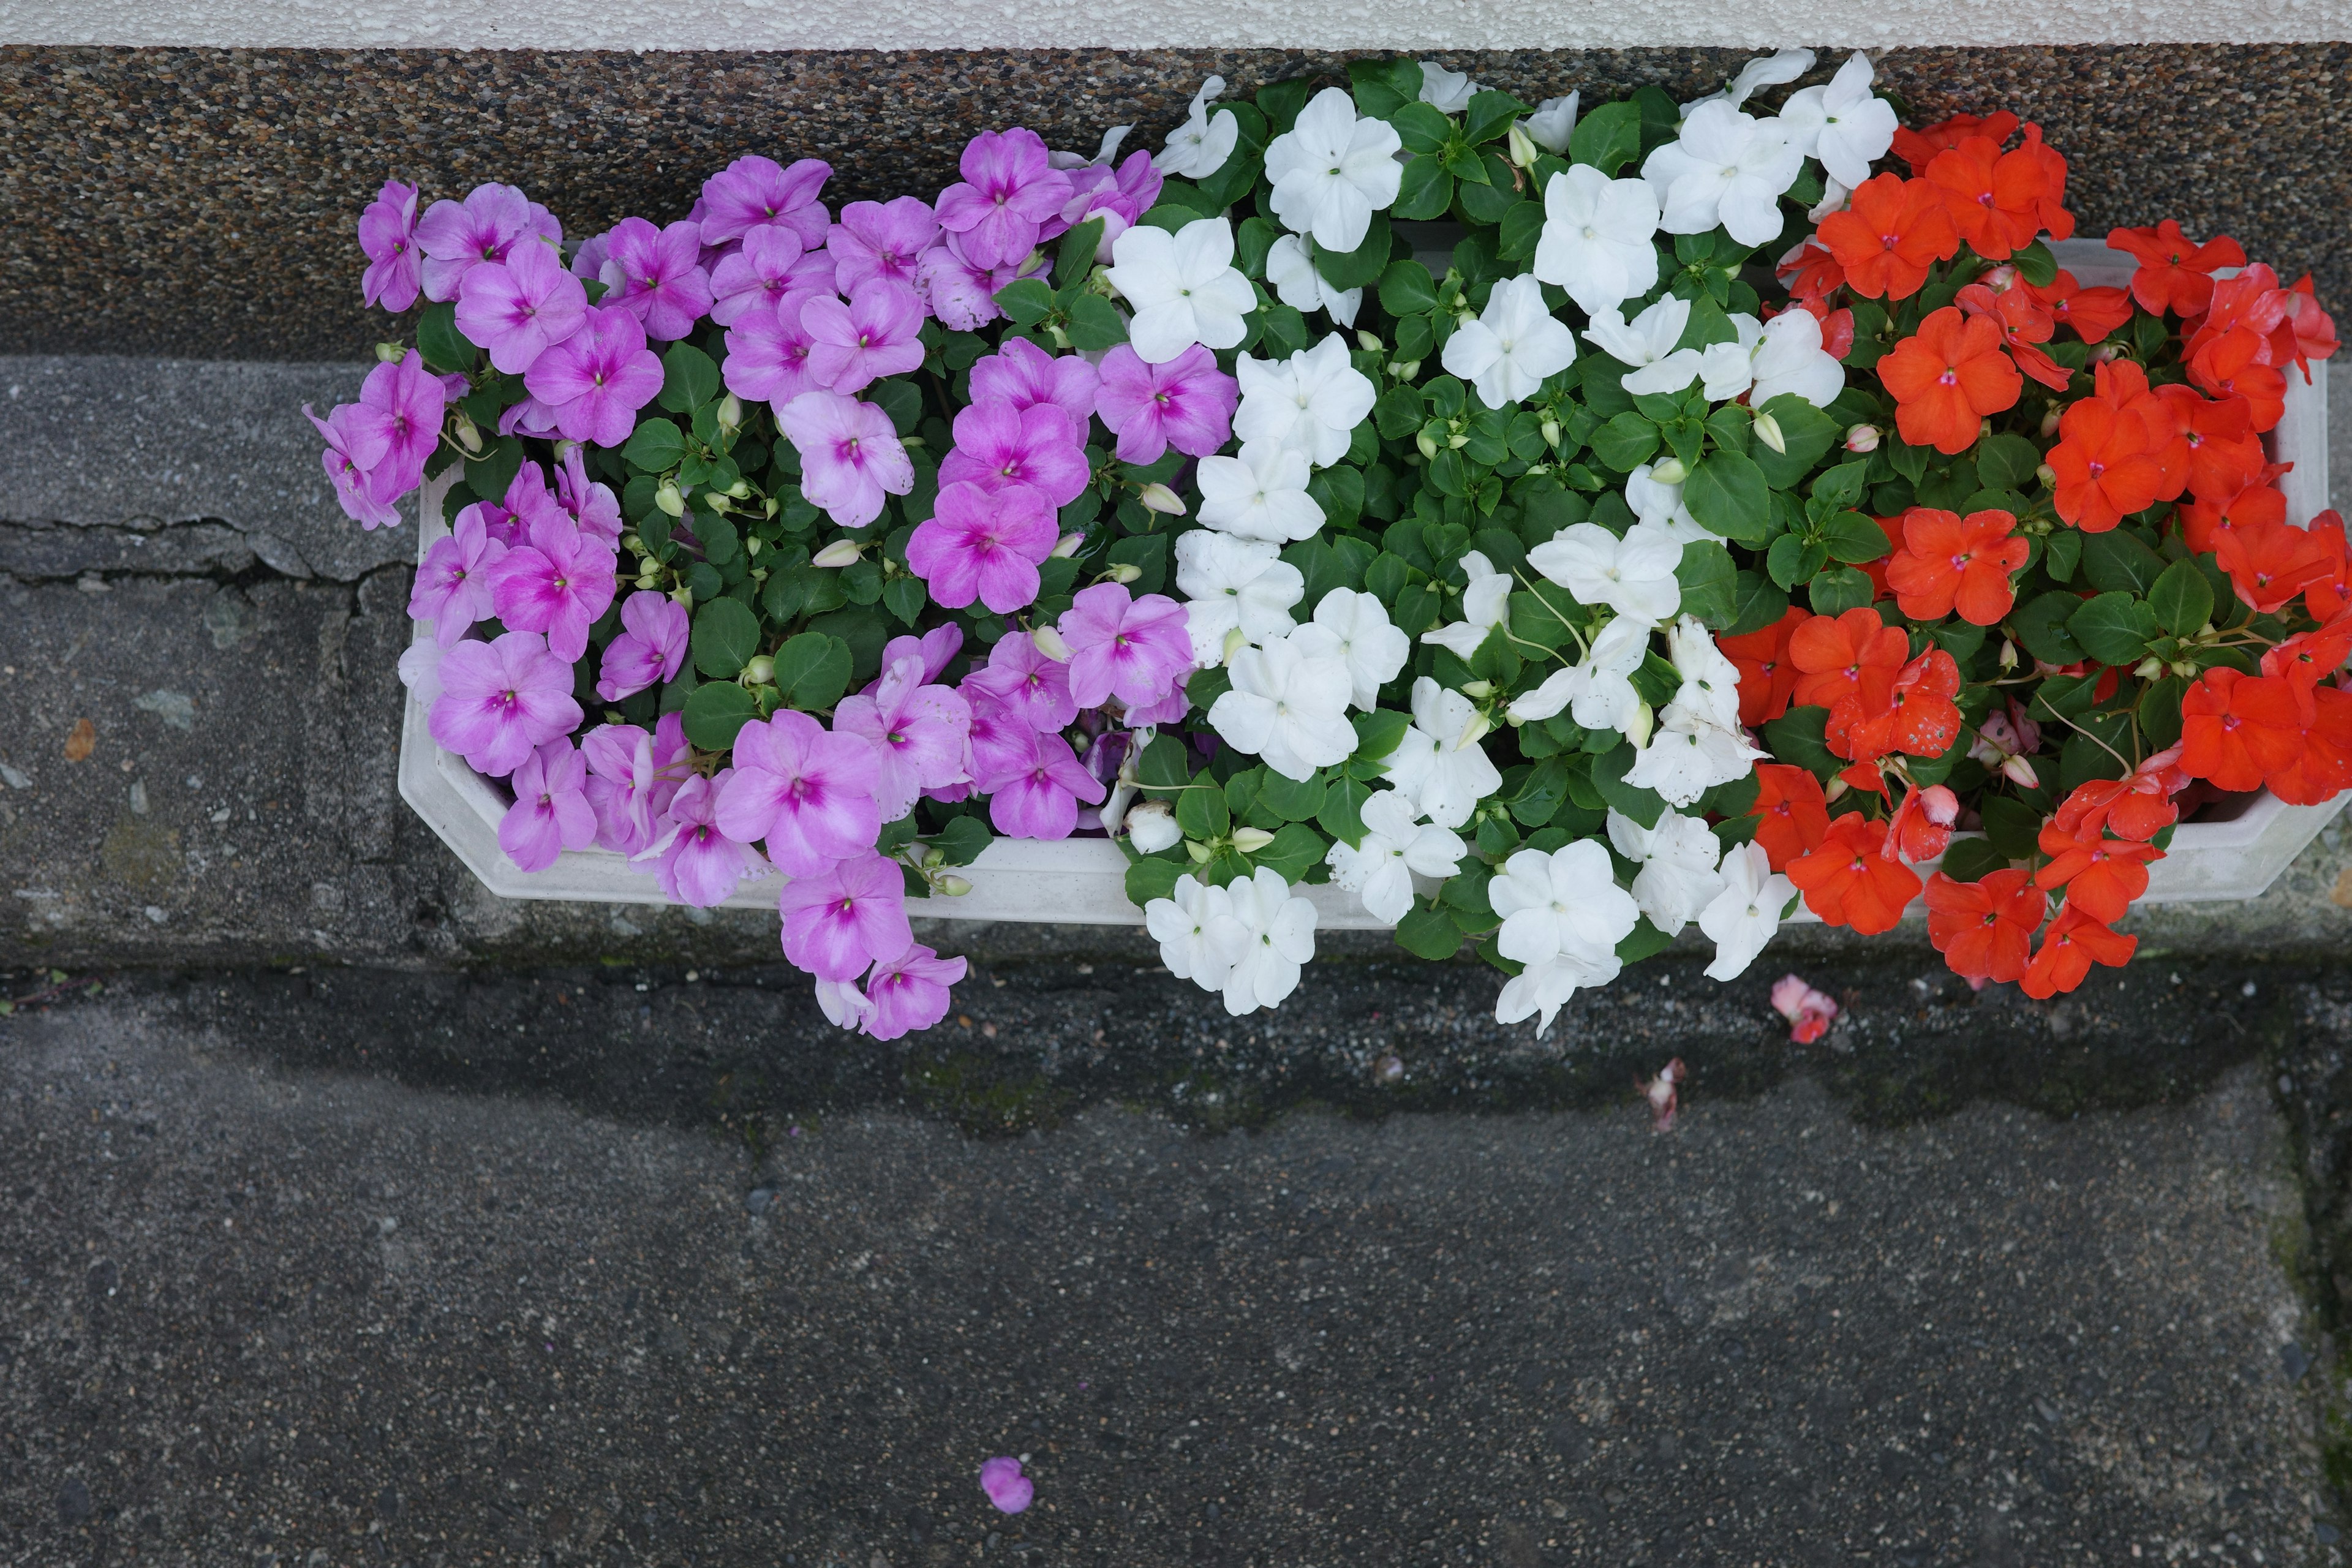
(269, 1310)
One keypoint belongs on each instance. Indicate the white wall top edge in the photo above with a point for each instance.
(704, 25)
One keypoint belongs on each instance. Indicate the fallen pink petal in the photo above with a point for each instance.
(1663, 1092)
(1006, 1487)
(1809, 1011)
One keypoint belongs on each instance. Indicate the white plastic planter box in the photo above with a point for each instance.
(2236, 853)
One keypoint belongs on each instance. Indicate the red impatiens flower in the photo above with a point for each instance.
(2251, 300)
(2270, 562)
(2224, 454)
(2119, 451)
(1853, 654)
(2237, 728)
(2306, 658)
(1793, 815)
(2074, 943)
(2315, 332)
(1921, 827)
(1918, 148)
(2231, 365)
(1850, 881)
(1918, 719)
(2324, 768)
(1946, 378)
(2203, 522)
(2092, 313)
(2174, 272)
(2100, 876)
(1995, 197)
(1890, 232)
(2139, 806)
(2025, 324)
(1767, 677)
(1985, 929)
(1947, 561)
(2055, 220)
(2327, 595)
(1810, 270)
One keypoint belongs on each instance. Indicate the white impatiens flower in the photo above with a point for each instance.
(1486, 605)
(1233, 584)
(1688, 756)
(1662, 504)
(1182, 286)
(1599, 693)
(1746, 913)
(1552, 123)
(1290, 271)
(1634, 575)
(1844, 124)
(1677, 858)
(1512, 345)
(1541, 990)
(1728, 370)
(1288, 705)
(1647, 343)
(1596, 239)
(1788, 357)
(1710, 688)
(1397, 846)
(1726, 168)
(1835, 198)
(1373, 647)
(1185, 925)
(1440, 765)
(1261, 494)
(1199, 148)
(1768, 71)
(1448, 92)
(1151, 826)
(1269, 932)
(1564, 905)
(1331, 170)
(1311, 402)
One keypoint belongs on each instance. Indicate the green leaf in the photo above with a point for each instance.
(2062, 554)
(1399, 413)
(1359, 267)
(2159, 712)
(962, 840)
(904, 598)
(1756, 602)
(1609, 771)
(1626, 442)
(1608, 136)
(1486, 203)
(1342, 812)
(1841, 488)
(1490, 115)
(726, 635)
(1838, 589)
(1202, 814)
(1522, 229)
(490, 475)
(1970, 860)
(1380, 87)
(1147, 554)
(1805, 431)
(1854, 538)
(690, 379)
(2116, 562)
(716, 711)
(1095, 324)
(812, 670)
(1378, 735)
(2181, 598)
(1153, 878)
(655, 446)
(2042, 628)
(2007, 462)
(1429, 932)
(1421, 127)
(1727, 493)
(1407, 289)
(1340, 491)
(1026, 302)
(2036, 265)
(1709, 584)
(1296, 847)
(1644, 941)
(1796, 737)
(445, 348)
(1163, 766)
(2013, 827)
(1075, 257)
(1424, 190)
(1290, 799)
(2114, 628)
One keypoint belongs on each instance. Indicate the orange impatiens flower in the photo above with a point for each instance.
(1810, 270)
(2102, 876)
(1793, 814)
(2232, 365)
(2225, 456)
(1850, 881)
(1918, 719)
(2119, 451)
(2322, 769)
(1949, 562)
(2174, 272)
(1888, 236)
(2074, 941)
(2024, 325)
(1995, 197)
(2313, 329)
(2203, 522)
(2270, 562)
(1853, 654)
(1767, 677)
(1918, 148)
(2139, 806)
(1946, 379)
(2237, 728)
(2056, 221)
(2092, 313)
(1985, 929)
(2326, 596)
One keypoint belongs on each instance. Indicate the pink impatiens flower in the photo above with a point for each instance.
(850, 456)
(698, 865)
(961, 295)
(518, 307)
(1006, 1487)
(770, 264)
(551, 812)
(851, 913)
(918, 734)
(590, 505)
(909, 992)
(1019, 675)
(1133, 649)
(754, 192)
(872, 336)
(1022, 375)
(457, 238)
(656, 276)
(1008, 194)
(935, 648)
(404, 402)
(452, 587)
(767, 353)
(808, 792)
(502, 700)
(998, 446)
(631, 777)
(1120, 198)
(526, 504)
(388, 235)
(355, 449)
(981, 546)
(597, 378)
(559, 583)
(1033, 788)
(650, 648)
(880, 239)
(1187, 402)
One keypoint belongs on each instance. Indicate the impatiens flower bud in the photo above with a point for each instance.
(2001, 280)
(760, 671)
(1198, 852)
(1405, 370)
(934, 857)
(2008, 654)
(2185, 668)
(670, 500)
(1236, 640)
(470, 434)
(1162, 499)
(633, 544)
(2019, 771)
(2107, 353)
(1151, 826)
(2148, 668)
(1475, 730)
(769, 506)
(1638, 723)
(1524, 150)
(730, 412)
(954, 886)
(1066, 546)
(740, 490)
(2050, 417)
(751, 546)
(1550, 429)
(1479, 690)
(2048, 476)
(1125, 571)
(1768, 430)
(715, 501)
(1673, 471)
(1427, 443)
(840, 552)
(1369, 340)
(1459, 439)
(1250, 840)
(1049, 642)
(1835, 789)
(391, 353)
(1862, 438)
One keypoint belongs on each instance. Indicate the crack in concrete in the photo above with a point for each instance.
(54, 552)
